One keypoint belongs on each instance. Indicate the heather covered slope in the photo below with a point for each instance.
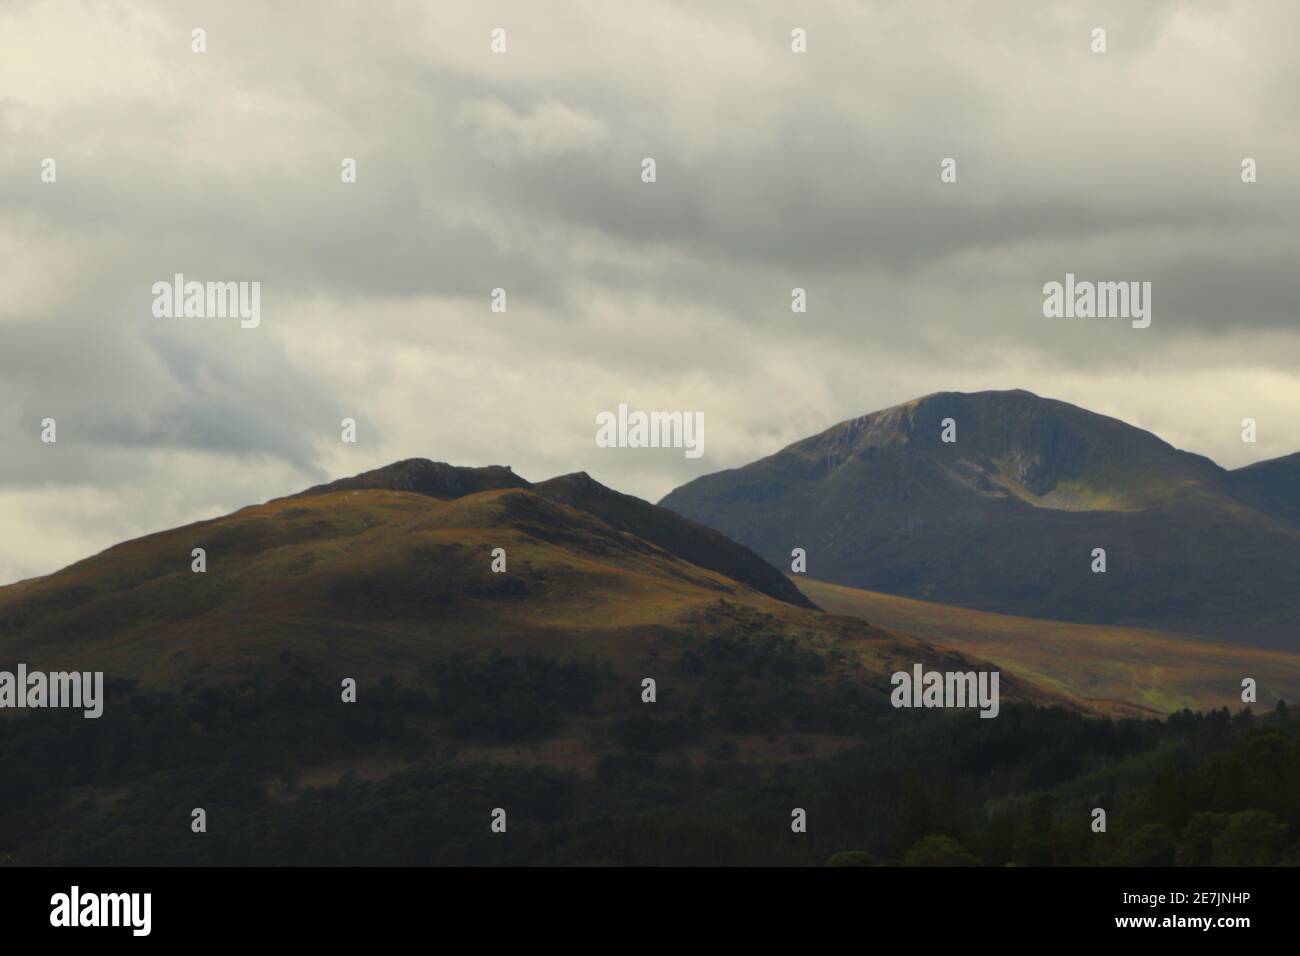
(1006, 517)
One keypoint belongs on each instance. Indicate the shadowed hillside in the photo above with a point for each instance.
(686, 539)
(1274, 486)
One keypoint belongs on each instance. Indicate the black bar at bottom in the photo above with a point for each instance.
(334, 906)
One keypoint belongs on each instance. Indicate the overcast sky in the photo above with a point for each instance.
(522, 170)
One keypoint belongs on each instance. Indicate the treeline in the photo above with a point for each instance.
(665, 785)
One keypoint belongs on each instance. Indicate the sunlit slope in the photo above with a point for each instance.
(1101, 665)
(367, 583)
(361, 578)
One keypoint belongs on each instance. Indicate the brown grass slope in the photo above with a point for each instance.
(366, 583)
(1117, 669)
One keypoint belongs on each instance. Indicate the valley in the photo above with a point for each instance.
(1122, 671)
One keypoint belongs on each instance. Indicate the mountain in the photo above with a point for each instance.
(1006, 517)
(392, 569)
(354, 579)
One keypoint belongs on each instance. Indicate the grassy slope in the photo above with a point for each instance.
(366, 583)
(1119, 669)
(352, 579)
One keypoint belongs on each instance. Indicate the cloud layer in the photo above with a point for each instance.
(522, 171)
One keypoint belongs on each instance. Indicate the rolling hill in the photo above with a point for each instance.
(364, 580)
(1006, 517)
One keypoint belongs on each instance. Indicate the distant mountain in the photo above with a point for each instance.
(1006, 517)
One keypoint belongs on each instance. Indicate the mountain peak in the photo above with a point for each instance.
(437, 479)
(577, 481)
(1016, 444)
(661, 527)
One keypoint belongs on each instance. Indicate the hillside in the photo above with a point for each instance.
(1273, 486)
(688, 540)
(1122, 670)
(366, 583)
(1006, 517)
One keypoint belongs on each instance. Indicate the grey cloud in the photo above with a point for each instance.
(522, 171)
